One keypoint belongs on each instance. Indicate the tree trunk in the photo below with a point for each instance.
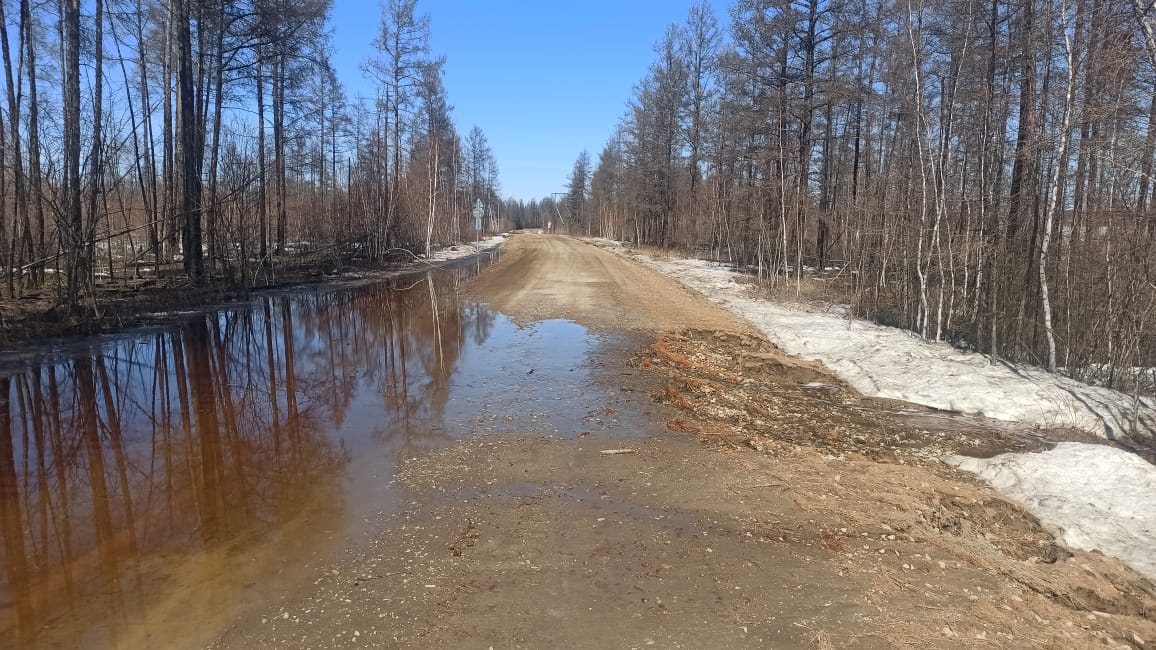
(279, 148)
(169, 225)
(75, 249)
(95, 156)
(262, 163)
(1054, 194)
(213, 214)
(190, 154)
(34, 173)
(20, 204)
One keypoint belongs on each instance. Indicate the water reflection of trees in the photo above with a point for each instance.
(207, 434)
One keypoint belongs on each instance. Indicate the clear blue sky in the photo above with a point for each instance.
(543, 79)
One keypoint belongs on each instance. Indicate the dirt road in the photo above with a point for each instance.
(546, 276)
(767, 506)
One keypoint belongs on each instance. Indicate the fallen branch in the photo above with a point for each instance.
(615, 452)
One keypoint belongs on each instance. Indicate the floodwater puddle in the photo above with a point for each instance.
(157, 484)
(537, 378)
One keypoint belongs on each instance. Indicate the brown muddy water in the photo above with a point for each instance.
(158, 484)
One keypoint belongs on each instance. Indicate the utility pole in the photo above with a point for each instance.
(561, 219)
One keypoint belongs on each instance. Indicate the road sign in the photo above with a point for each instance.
(479, 212)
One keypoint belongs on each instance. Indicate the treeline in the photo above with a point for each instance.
(978, 172)
(534, 213)
(209, 137)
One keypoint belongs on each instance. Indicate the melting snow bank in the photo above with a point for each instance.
(893, 363)
(465, 249)
(1091, 497)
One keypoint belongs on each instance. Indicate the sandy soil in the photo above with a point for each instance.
(768, 506)
(545, 276)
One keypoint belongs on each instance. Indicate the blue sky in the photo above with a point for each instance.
(543, 79)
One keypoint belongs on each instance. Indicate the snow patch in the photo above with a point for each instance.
(893, 363)
(465, 250)
(1091, 497)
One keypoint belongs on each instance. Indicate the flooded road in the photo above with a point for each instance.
(394, 464)
(156, 485)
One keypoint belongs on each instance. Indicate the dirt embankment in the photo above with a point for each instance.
(778, 509)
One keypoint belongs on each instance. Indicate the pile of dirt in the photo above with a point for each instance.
(840, 456)
(746, 391)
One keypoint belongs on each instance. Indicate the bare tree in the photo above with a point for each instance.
(977, 172)
(403, 42)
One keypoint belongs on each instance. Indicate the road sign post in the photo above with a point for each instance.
(479, 212)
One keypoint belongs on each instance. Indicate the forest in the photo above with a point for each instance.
(976, 171)
(192, 142)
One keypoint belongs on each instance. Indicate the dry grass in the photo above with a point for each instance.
(820, 288)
